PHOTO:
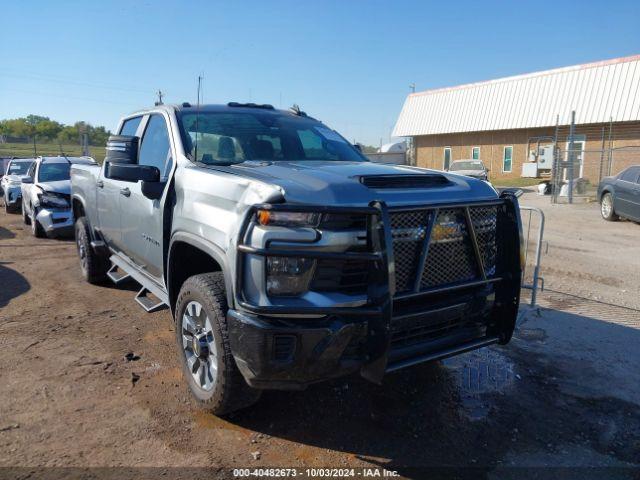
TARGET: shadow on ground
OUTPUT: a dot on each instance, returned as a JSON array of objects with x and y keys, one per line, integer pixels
[
  {"x": 5, "y": 233},
  {"x": 12, "y": 284},
  {"x": 531, "y": 397}
]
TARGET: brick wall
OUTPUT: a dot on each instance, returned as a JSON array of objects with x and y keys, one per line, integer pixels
[{"x": 430, "y": 148}]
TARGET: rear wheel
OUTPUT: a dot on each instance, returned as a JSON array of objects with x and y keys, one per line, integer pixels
[
  {"x": 93, "y": 266},
  {"x": 606, "y": 208},
  {"x": 203, "y": 344}
]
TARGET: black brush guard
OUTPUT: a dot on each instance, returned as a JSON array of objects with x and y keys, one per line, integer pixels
[{"x": 378, "y": 309}]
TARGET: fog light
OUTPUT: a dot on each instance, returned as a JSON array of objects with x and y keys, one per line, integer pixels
[{"x": 288, "y": 276}]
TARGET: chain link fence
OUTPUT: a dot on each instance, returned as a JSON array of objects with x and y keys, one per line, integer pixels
[{"x": 584, "y": 155}]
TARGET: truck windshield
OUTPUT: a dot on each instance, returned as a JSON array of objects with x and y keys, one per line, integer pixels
[
  {"x": 53, "y": 172},
  {"x": 465, "y": 166},
  {"x": 19, "y": 168},
  {"x": 224, "y": 138}
]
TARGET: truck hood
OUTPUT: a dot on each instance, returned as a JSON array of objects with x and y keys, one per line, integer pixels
[
  {"x": 339, "y": 183},
  {"x": 61, "y": 186}
]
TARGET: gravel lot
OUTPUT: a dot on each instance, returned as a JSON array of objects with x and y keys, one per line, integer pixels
[{"x": 565, "y": 392}]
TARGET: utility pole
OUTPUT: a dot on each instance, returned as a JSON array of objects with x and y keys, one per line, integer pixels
[
  {"x": 160, "y": 95},
  {"x": 570, "y": 156},
  {"x": 412, "y": 86}
]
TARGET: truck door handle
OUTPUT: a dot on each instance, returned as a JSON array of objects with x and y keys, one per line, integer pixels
[
  {"x": 100, "y": 184},
  {"x": 125, "y": 191}
]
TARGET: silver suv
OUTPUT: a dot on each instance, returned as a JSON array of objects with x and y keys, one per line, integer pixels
[
  {"x": 11, "y": 181},
  {"x": 285, "y": 256},
  {"x": 46, "y": 190}
]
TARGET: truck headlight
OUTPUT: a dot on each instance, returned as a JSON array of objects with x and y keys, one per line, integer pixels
[
  {"x": 288, "y": 219},
  {"x": 53, "y": 200},
  {"x": 289, "y": 276}
]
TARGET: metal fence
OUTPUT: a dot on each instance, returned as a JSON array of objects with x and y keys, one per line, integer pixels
[
  {"x": 584, "y": 154},
  {"x": 533, "y": 231}
]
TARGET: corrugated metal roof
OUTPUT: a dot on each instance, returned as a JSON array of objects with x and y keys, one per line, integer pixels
[{"x": 596, "y": 91}]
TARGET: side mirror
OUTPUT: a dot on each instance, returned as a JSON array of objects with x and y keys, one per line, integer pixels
[
  {"x": 122, "y": 149},
  {"x": 27, "y": 180},
  {"x": 131, "y": 173}
]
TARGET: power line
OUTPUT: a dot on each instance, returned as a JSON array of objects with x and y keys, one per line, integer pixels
[
  {"x": 65, "y": 97},
  {"x": 102, "y": 85}
]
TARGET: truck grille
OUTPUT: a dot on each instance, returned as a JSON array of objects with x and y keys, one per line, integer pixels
[{"x": 450, "y": 255}]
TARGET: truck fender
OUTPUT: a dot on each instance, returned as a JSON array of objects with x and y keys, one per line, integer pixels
[{"x": 209, "y": 248}]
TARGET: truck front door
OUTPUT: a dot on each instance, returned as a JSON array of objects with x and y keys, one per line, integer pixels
[{"x": 142, "y": 219}]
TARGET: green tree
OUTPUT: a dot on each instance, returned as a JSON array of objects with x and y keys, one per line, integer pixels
[
  {"x": 47, "y": 130},
  {"x": 68, "y": 135}
]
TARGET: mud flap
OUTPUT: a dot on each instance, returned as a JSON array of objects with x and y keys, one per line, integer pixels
[{"x": 380, "y": 292}]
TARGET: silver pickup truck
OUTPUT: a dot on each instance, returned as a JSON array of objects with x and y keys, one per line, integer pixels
[{"x": 286, "y": 257}]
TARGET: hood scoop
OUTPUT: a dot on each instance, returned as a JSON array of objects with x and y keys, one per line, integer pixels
[{"x": 425, "y": 180}]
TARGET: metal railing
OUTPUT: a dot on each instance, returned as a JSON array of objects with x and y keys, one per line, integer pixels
[{"x": 537, "y": 279}]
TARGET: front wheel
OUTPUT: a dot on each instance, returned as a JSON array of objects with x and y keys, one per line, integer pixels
[
  {"x": 36, "y": 228},
  {"x": 606, "y": 208},
  {"x": 93, "y": 266},
  {"x": 25, "y": 218},
  {"x": 203, "y": 343}
]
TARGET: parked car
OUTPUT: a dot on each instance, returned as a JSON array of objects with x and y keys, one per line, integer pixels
[
  {"x": 619, "y": 196},
  {"x": 10, "y": 183},
  {"x": 470, "y": 168},
  {"x": 286, "y": 257},
  {"x": 46, "y": 197}
]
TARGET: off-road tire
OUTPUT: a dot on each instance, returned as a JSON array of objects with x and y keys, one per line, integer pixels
[
  {"x": 25, "y": 218},
  {"x": 230, "y": 391},
  {"x": 36, "y": 228},
  {"x": 94, "y": 267},
  {"x": 610, "y": 215}
]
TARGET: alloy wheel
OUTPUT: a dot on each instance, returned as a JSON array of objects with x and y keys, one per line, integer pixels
[
  {"x": 606, "y": 206},
  {"x": 198, "y": 344}
]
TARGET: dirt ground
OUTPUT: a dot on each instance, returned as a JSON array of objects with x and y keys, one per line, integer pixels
[{"x": 564, "y": 393}]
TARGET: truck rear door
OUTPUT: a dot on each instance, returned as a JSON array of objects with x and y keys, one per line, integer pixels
[
  {"x": 109, "y": 193},
  {"x": 142, "y": 218}
]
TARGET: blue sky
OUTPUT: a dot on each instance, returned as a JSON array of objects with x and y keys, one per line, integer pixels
[{"x": 348, "y": 63}]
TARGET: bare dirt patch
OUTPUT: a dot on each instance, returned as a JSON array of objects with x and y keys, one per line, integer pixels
[{"x": 73, "y": 396}]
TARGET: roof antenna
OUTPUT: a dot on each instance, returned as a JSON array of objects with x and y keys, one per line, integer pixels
[
  {"x": 64, "y": 154},
  {"x": 197, "y": 115}
]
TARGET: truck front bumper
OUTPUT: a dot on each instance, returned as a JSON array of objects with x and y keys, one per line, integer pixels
[
  {"x": 288, "y": 347},
  {"x": 291, "y": 355},
  {"x": 56, "y": 222}
]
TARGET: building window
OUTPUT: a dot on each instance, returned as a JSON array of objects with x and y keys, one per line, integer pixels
[
  {"x": 475, "y": 153},
  {"x": 447, "y": 158},
  {"x": 507, "y": 159}
]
